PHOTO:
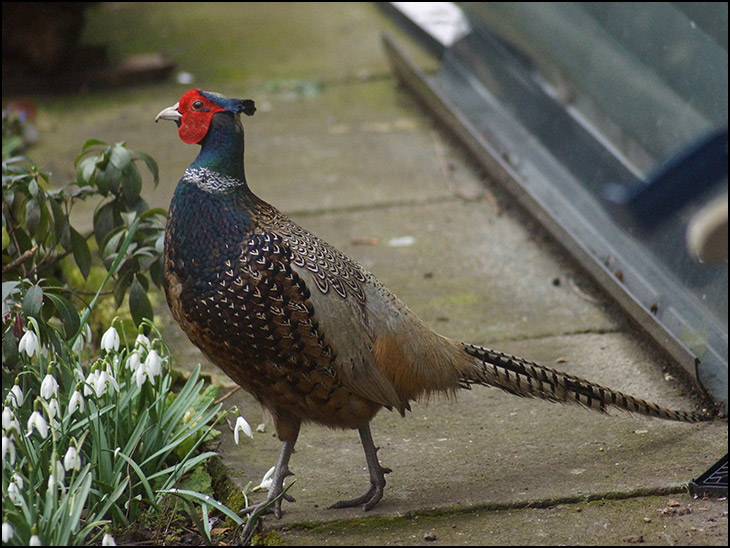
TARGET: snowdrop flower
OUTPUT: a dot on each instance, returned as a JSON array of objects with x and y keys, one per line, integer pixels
[
  {"x": 72, "y": 461},
  {"x": 7, "y": 532},
  {"x": 9, "y": 421},
  {"x": 49, "y": 387},
  {"x": 108, "y": 540},
  {"x": 15, "y": 396},
  {"x": 153, "y": 364},
  {"x": 56, "y": 478},
  {"x": 140, "y": 376},
  {"x": 36, "y": 420},
  {"x": 241, "y": 424},
  {"x": 142, "y": 341},
  {"x": 29, "y": 343},
  {"x": 82, "y": 339},
  {"x": 18, "y": 479},
  {"x": 110, "y": 340},
  {"x": 54, "y": 409},
  {"x": 134, "y": 361},
  {"x": 89, "y": 384},
  {"x": 14, "y": 493},
  {"x": 76, "y": 402},
  {"x": 35, "y": 540},
  {"x": 268, "y": 479},
  {"x": 100, "y": 383},
  {"x": 9, "y": 449},
  {"x": 111, "y": 379}
]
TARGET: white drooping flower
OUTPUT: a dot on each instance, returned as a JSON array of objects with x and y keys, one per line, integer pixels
[
  {"x": 153, "y": 364},
  {"x": 134, "y": 361},
  {"x": 82, "y": 339},
  {"x": 72, "y": 460},
  {"x": 36, "y": 421},
  {"x": 110, "y": 340},
  {"x": 76, "y": 402},
  {"x": 267, "y": 480},
  {"x": 49, "y": 387},
  {"x": 142, "y": 341},
  {"x": 7, "y": 531},
  {"x": 8, "y": 449},
  {"x": 29, "y": 343},
  {"x": 9, "y": 421},
  {"x": 15, "y": 396},
  {"x": 241, "y": 425}
]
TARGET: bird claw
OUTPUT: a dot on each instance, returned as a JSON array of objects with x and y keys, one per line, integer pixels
[
  {"x": 371, "y": 497},
  {"x": 272, "y": 504}
]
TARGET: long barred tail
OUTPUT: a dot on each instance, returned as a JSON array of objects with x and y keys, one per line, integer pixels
[{"x": 528, "y": 379}]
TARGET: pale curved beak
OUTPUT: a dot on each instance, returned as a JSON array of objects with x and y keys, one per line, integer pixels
[{"x": 170, "y": 113}]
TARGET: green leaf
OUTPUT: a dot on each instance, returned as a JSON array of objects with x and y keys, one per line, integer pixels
[
  {"x": 141, "y": 475},
  {"x": 60, "y": 223},
  {"x": 68, "y": 313},
  {"x": 139, "y": 302},
  {"x": 10, "y": 349},
  {"x": 110, "y": 177},
  {"x": 32, "y": 301},
  {"x": 32, "y": 215},
  {"x": 81, "y": 252},
  {"x": 120, "y": 157},
  {"x": 85, "y": 171},
  {"x": 194, "y": 495},
  {"x": 151, "y": 165},
  {"x": 104, "y": 223},
  {"x": 90, "y": 144},
  {"x": 131, "y": 183}
]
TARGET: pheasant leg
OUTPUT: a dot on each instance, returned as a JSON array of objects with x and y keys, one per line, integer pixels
[
  {"x": 276, "y": 490},
  {"x": 377, "y": 475}
]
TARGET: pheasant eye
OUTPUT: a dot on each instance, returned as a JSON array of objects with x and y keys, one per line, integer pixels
[{"x": 197, "y": 105}]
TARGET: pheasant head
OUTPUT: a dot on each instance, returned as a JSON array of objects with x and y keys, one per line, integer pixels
[{"x": 212, "y": 121}]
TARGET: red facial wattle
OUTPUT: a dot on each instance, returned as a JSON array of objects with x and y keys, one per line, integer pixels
[{"x": 197, "y": 111}]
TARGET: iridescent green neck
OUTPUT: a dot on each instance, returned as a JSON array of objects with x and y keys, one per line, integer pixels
[{"x": 222, "y": 148}]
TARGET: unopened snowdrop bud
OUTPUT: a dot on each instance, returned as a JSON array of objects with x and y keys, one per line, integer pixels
[
  {"x": 72, "y": 461},
  {"x": 7, "y": 531}
]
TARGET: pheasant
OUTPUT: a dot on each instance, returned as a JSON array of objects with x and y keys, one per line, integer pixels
[{"x": 310, "y": 333}]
